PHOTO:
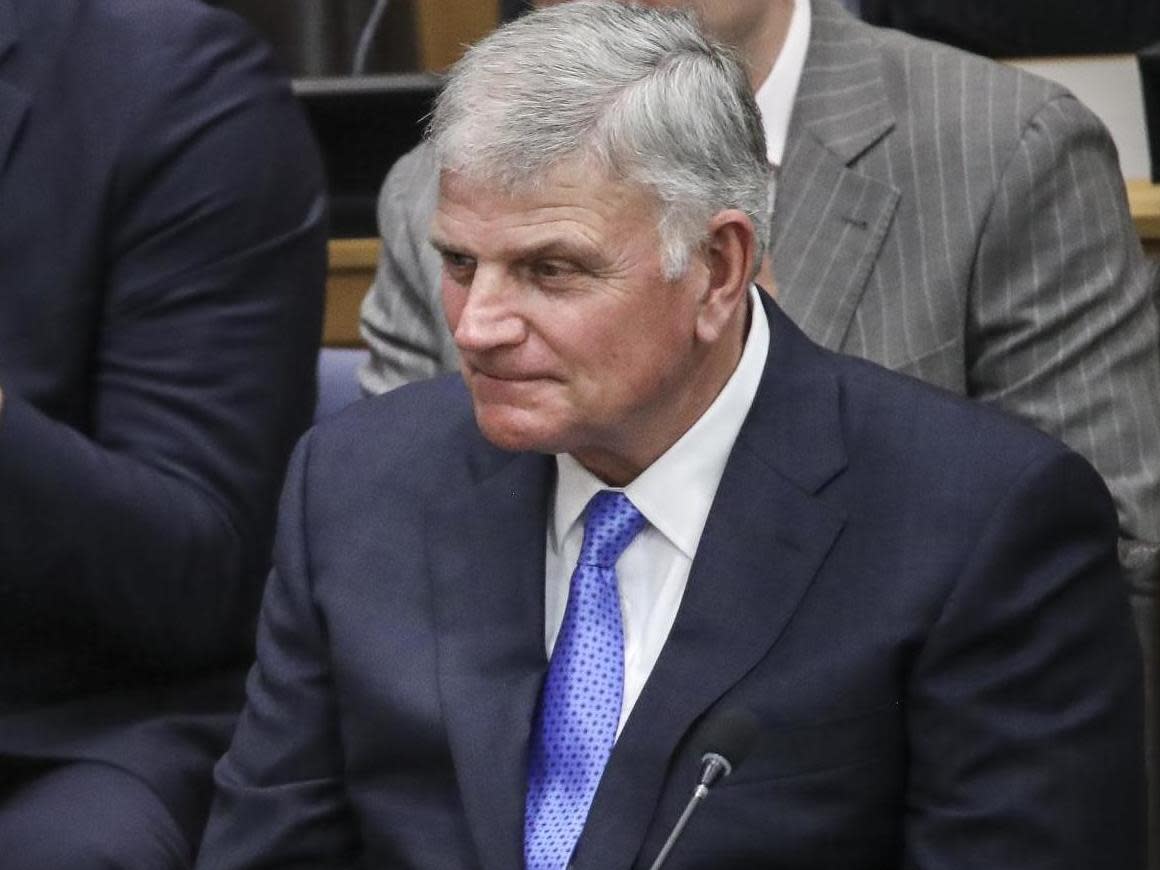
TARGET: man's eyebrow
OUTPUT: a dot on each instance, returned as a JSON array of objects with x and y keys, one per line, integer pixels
[
  {"x": 563, "y": 248},
  {"x": 443, "y": 246}
]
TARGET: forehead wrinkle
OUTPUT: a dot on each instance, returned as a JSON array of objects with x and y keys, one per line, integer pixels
[
  {"x": 521, "y": 233},
  {"x": 522, "y": 223}
]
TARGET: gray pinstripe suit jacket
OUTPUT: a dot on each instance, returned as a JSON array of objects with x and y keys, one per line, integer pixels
[{"x": 941, "y": 214}]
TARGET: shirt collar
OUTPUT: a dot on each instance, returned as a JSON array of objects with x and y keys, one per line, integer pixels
[
  {"x": 675, "y": 493},
  {"x": 776, "y": 95}
]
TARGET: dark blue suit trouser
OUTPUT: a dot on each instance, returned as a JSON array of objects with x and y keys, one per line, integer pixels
[{"x": 85, "y": 816}]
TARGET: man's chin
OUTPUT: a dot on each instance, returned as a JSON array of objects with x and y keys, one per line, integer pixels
[{"x": 513, "y": 431}]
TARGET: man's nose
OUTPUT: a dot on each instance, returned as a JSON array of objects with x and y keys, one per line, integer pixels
[{"x": 490, "y": 317}]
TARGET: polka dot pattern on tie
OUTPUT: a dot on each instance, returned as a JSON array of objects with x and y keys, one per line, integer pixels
[{"x": 580, "y": 702}]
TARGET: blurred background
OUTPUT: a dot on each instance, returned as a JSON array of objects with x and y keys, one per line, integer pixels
[
  {"x": 366, "y": 70},
  {"x": 321, "y": 37}
]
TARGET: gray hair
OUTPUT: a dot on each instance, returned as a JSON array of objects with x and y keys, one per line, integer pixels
[{"x": 641, "y": 94}]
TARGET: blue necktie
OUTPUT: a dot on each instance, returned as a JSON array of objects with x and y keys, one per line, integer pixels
[{"x": 580, "y": 702}]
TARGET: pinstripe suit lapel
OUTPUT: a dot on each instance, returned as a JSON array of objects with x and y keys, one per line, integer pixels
[
  {"x": 13, "y": 101},
  {"x": 831, "y": 219}
]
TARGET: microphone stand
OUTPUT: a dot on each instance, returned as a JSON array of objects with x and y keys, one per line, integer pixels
[{"x": 713, "y": 768}]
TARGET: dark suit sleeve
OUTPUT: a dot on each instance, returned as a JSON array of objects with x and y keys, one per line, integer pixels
[
  {"x": 1025, "y": 728},
  {"x": 1022, "y": 28},
  {"x": 281, "y": 797},
  {"x": 145, "y": 536}
]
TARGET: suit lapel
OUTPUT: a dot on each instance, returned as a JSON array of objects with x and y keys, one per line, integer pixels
[
  {"x": 765, "y": 538},
  {"x": 14, "y": 102},
  {"x": 831, "y": 218},
  {"x": 487, "y": 557}
]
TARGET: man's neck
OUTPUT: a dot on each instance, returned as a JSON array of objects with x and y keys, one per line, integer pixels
[{"x": 761, "y": 45}]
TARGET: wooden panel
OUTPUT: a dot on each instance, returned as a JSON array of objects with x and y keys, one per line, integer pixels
[
  {"x": 352, "y": 269},
  {"x": 1144, "y": 200},
  {"x": 445, "y": 27}
]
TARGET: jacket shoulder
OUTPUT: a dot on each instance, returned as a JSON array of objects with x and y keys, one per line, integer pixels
[
  {"x": 420, "y": 438},
  {"x": 924, "y": 78}
]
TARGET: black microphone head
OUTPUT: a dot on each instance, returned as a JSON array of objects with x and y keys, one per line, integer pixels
[{"x": 730, "y": 733}]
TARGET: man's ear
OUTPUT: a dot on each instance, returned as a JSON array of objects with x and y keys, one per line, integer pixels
[{"x": 728, "y": 253}]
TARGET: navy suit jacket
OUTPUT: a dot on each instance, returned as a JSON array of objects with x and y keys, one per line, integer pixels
[
  {"x": 918, "y": 598},
  {"x": 162, "y": 264}
]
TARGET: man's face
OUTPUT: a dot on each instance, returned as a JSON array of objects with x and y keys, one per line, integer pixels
[{"x": 571, "y": 338}]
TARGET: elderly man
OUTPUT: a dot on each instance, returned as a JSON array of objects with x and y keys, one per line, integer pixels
[
  {"x": 940, "y": 214},
  {"x": 507, "y": 604}
]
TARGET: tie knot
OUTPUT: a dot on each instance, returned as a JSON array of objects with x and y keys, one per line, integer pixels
[{"x": 610, "y": 525}]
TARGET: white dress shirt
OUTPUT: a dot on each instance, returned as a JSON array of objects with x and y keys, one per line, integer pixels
[
  {"x": 674, "y": 494},
  {"x": 775, "y": 96}
]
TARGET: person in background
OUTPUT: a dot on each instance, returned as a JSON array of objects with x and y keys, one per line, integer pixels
[
  {"x": 943, "y": 215},
  {"x": 1023, "y": 28},
  {"x": 162, "y": 264},
  {"x": 506, "y": 603}
]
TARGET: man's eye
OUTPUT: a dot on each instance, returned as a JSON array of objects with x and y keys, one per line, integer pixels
[
  {"x": 458, "y": 261},
  {"x": 458, "y": 264},
  {"x": 552, "y": 268}
]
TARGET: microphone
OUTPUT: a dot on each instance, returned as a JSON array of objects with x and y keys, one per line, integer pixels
[
  {"x": 729, "y": 736},
  {"x": 358, "y": 65}
]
